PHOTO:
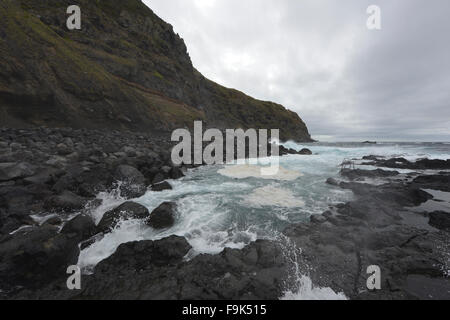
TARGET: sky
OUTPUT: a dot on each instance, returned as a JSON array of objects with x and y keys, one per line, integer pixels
[{"x": 319, "y": 59}]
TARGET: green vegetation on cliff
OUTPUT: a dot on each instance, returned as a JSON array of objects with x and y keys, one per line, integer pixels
[{"x": 126, "y": 69}]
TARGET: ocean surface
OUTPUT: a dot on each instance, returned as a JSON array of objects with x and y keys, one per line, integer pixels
[{"x": 231, "y": 206}]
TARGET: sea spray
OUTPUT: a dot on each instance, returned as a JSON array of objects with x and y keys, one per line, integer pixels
[{"x": 298, "y": 284}]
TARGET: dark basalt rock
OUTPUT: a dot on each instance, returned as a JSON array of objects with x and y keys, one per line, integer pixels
[
  {"x": 12, "y": 171},
  {"x": 402, "y": 163},
  {"x": 161, "y": 186},
  {"x": 305, "y": 152},
  {"x": 438, "y": 182},
  {"x": 145, "y": 254},
  {"x": 176, "y": 173},
  {"x": 54, "y": 221},
  {"x": 67, "y": 201},
  {"x": 44, "y": 176},
  {"x": 358, "y": 173},
  {"x": 155, "y": 270},
  {"x": 132, "y": 181},
  {"x": 35, "y": 258},
  {"x": 82, "y": 225},
  {"x": 284, "y": 151},
  {"x": 163, "y": 217},
  {"x": 317, "y": 218},
  {"x": 370, "y": 231},
  {"x": 440, "y": 220},
  {"x": 372, "y": 158},
  {"x": 159, "y": 177},
  {"x": 126, "y": 211},
  {"x": 332, "y": 182}
]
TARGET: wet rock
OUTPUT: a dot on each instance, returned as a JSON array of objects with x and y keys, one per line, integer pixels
[
  {"x": 422, "y": 164},
  {"x": 438, "y": 182},
  {"x": 440, "y": 220},
  {"x": 35, "y": 258},
  {"x": 372, "y": 158},
  {"x": 333, "y": 182},
  {"x": 129, "y": 174},
  {"x": 159, "y": 177},
  {"x": 305, "y": 152},
  {"x": 358, "y": 173},
  {"x": 155, "y": 270},
  {"x": 82, "y": 225},
  {"x": 318, "y": 218},
  {"x": 133, "y": 181},
  {"x": 19, "y": 200},
  {"x": 176, "y": 173},
  {"x": 142, "y": 254},
  {"x": 161, "y": 186},
  {"x": 54, "y": 221},
  {"x": 126, "y": 211},
  {"x": 433, "y": 164},
  {"x": 163, "y": 217}
]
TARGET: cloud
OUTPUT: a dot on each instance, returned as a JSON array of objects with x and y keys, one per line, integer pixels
[{"x": 317, "y": 58}]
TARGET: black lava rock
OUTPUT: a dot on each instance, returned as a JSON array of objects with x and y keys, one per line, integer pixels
[{"x": 163, "y": 217}]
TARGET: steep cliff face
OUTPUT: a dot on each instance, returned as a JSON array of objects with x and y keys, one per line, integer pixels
[{"x": 125, "y": 69}]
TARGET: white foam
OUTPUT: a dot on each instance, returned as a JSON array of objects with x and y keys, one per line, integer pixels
[
  {"x": 125, "y": 231},
  {"x": 109, "y": 201},
  {"x": 273, "y": 196},
  {"x": 307, "y": 291},
  {"x": 254, "y": 171}
]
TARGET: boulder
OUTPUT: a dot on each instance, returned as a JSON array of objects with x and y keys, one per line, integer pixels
[
  {"x": 129, "y": 174},
  {"x": 176, "y": 173},
  {"x": 159, "y": 177},
  {"x": 44, "y": 176},
  {"x": 128, "y": 210},
  {"x": 66, "y": 201},
  {"x": 35, "y": 258},
  {"x": 144, "y": 254},
  {"x": 82, "y": 225},
  {"x": 163, "y": 217},
  {"x": 305, "y": 151},
  {"x": 63, "y": 150},
  {"x": 161, "y": 186},
  {"x": 12, "y": 171},
  {"x": 155, "y": 270},
  {"x": 333, "y": 182},
  {"x": 133, "y": 181},
  {"x": 129, "y": 151}
]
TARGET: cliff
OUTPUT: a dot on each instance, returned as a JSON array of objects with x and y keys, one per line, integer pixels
[{"x": 125, "y": 69}]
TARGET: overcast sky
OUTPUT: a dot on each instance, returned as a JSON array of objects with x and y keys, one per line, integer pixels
[{"x": 318, "y": 58}]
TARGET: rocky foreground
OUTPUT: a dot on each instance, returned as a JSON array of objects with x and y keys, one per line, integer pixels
[{"x": 60, "y": 171}]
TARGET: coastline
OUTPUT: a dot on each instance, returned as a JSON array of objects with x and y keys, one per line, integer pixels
[{"x": 332, "y": 250}]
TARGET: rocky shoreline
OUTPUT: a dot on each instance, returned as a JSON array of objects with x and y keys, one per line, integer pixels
[{"x": 61, "y": 171}]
